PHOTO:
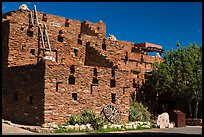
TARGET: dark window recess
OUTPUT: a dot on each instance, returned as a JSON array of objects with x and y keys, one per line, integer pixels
[
  {"x": 95, "y": 72},
  {"x": 30, "y": 33},
  {"x": 113, "y": 97},
  {"x": 32, "y": 51},
  {"x": 60, "y": 38},
  {"x": 79, "y": 42},
  {"x": 23, "y": 48},
  {"x": 104, "y": 46},
  {"x": 79, "y": 36},
  {"x": 66, "y": 23},
  {"x": 142, "y": 59},
  {"x": 113, "y": 72},
  {"x": 88, "y": 43},
  {"x": 75, "y": 52},
  {"x": 98, "y": 28},
  {"x": 134, "y": 84},
  {"x": 71, "y": 80},
  {"x": 44, "y": 17},
  {"x": 16, "y": 96},
  {"x": 72, "y": 70},
  {"x": 60, "y": 31},
  {"x": 57, "y": 86},
  {"x": 112, "y": 83},
  {"x": 95, "y": 81},
  {"x": 30, "y": 100},
  {"x": 74, "y": 96}
]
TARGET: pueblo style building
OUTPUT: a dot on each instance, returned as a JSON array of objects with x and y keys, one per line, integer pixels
[{"x": 53, "y": 67}]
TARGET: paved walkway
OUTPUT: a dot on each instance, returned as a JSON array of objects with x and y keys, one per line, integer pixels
[{"x": 7, "y": 130}]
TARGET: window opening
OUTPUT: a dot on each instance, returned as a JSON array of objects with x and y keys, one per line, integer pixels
[
  {"x": 134, "y": 84},
  {"x": 74, "y": 96},
  {"x": 75, "y": 52},
  {"x": 79, "y": 42},
  {"x": 16, "y": 96},
  {"x": 88, "y": 43},
  {"x": 113, "y": 97},
  {"x": 113, "y": 72},
  {"x": 72, "y": 70},
  {"x": 44, "y": 17},
  {"x": 31, "y": 100},
  {"x": 60, "y": 38},
  {"x": 66, "y": 23},
  {"x": 95, "y": 81},
  {"x": 23, "y": 48},
  {"x": 112, "y": 83},
  {"x": 32, "y": 52},
  {"x": 95, "y": 72},
  {"x": 104, "y": 46},
  {"x": 79, "y": 36},
  {"x": 57, "y": 86},
  {"x": 71, "y": 80},
  {"x": 30, "y": 33}
]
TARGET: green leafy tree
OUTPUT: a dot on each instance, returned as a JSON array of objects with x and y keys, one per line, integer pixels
[{"x": 180, "y": 74}]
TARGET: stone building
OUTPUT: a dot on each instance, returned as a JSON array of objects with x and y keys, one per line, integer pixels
[{"x": 70, "y": 66}]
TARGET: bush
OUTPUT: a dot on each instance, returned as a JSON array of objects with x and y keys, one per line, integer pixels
[
  {"x": 87, "y": 117},
  {"x": 138, "y": 112}
]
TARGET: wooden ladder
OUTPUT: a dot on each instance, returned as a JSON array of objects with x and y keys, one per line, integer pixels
[{"x": 43, "y": 35}]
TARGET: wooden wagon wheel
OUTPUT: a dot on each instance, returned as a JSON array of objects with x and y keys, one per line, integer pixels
[{"x": 112, "y": 114}]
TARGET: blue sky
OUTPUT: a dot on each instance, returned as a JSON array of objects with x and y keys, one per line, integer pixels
[{"x": 161, "y": 23}]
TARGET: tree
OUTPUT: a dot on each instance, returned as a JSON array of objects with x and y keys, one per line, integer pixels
[{"x": 180, "y": 74}]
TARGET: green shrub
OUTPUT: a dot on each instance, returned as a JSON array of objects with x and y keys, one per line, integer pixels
[
  {"x": 138, "y": 112},
  {"x": 87, "y": 117}
]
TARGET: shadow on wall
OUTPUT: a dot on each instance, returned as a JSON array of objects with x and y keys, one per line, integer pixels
[{"x": 22, "y": 88}]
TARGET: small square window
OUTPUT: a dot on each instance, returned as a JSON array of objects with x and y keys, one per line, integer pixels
[
  {"x": 134, "y": 85},
  {"x": 113, "y": 72},
  {"x": 32, "y": 52},
  {"x": 66, "y": 24},
  {"x": 30, "y": 100},
  {"x": 74, "y": 96},
  {"x": 79, "y": 42},
  {"x": 60, "y": 38},
  {"x": 71, "y": 80},
  {"x": 95, "y": 81},
  {"x": 104, "y": 46},
  {"x": 72, "y": 70},
  {"x": 88, "y": 43},
  {"x": 113, "y": 97},
  {"x": 112, "y": 83},
  {"x": 16, "y": 96},
  {"x": 75, "y": 52},
  {"x": 95, "y": 72},
  {"x": 79, "y": 36},
  {"x": 57, "y": 85},
  {"x": 30, "y": 33}
]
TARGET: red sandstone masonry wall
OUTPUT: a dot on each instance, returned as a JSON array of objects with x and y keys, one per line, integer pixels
[
  {"x": 23, "y": 79},
  {"x": 59, "y": 105},
  {"x": 22, "y": 71}
]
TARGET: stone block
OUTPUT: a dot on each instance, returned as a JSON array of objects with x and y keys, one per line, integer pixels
[{"x": 170, "y": 125}]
